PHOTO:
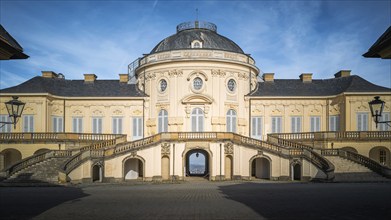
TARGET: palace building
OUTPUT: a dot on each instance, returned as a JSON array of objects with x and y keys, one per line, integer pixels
[{"x": 196, "y": 93}]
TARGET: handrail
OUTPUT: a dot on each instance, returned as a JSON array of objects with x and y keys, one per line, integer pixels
[
  {"x": 360, "y": 159},
  {"x": 52, "y": 136},
  {"x": 330, "y": 135}
]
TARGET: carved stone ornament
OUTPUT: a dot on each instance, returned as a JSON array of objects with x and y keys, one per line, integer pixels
[
  {"x": 134, "y": 153},
  {"x": 165, "y": 149},
  {"x": 228, "y": 148},
  {"x": 260, "y": 152},
  {"x": 175, "y": 72}
]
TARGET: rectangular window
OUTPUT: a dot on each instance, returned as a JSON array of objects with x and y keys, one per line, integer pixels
[
  {"x": 276, "y": 124},
  {"x": 334, "y": 123},
  {"x": 28, "y": 123},
  {"x": 295, "y": 124},
  {"x": 117, "y": 125},
  {"x": 385, "y": 116},
  {"x": 5, "y": 128},
  {"x": 137, "y": 128},
  {"x": 256, "y": 127},
  {"x": 315, "y": 123},
  {"x": 362, "y": 121},
  {"x": 57, "y": 124},
  {"x": 77, "y": 124},
  {"x": 97, "y": 125}
]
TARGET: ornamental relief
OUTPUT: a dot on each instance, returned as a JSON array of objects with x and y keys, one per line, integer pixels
[
  {"x": 150, "y": 76},
  {"x": 175, "y": 73},
  {"x": 218, "y": 72},
  {"x": 243, "y": 76},
  {"x": 165, "y": 149},
  {"x": 97, "y": 112},
  {"x": 57, "y": 111},
  {"x": 228, "y": 148}
]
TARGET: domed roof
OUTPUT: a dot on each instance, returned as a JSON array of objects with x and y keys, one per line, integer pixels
[{"x": 204, "y": 32}]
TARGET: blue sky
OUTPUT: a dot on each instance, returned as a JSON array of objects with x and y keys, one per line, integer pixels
[{"x": 284, "y": 37}]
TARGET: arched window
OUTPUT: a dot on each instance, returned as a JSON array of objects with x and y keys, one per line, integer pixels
[
  {"x": 163, "y": 121},
  {"x": 197, "y": 120},
  {"x": 231, "y": 121}
]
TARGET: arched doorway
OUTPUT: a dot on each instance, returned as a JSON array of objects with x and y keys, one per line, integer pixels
[
  {"x": 39, "y": 151},
  {"x": 197, "y": 163},
  {"x": 260, "y": 168},
  {"x": 133, "y": 169},
  {"x": 97, "y": 173},
  {"x": 381, "y": 155},
  {"x": 10, "y": 156},
  {"x": 165, "y": 168},
  {"x": 296, "y": 171},
  {"x": 228, "y": 167}
]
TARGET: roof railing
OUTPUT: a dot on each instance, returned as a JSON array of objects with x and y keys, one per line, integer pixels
[{"x": 196, "y": 25}]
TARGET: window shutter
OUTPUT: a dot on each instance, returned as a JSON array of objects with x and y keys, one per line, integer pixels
[
  {"x": 365, "y": 122},
  {"x": 55, "y": 124},
  {"x": 359, "y": 122},
  {"x": 119, "y": 126}
]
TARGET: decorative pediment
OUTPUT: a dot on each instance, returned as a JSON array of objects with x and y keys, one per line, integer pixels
[
  {"x": 197, "y": 73},
  {"x": 197, "y": 99}
]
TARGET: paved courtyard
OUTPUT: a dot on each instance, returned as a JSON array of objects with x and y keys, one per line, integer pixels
[{"x": 199, "y": 200}]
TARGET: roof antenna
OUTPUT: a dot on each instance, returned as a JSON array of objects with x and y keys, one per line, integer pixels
[{"x": 196, "y": 14}]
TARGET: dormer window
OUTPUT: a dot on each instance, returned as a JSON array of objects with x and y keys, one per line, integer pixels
[{"x": 196, "y": 44}]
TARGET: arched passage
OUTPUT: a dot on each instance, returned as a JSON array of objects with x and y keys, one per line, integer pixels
[
  {"x": 228, "y": 167},
  {"x": 296, "y": 171},
  {"x": 260, "y": 168},
  {"x": 10, "y": 156},
  {"x": 133, "y": 168},
  {"x": 41, "y": 150},
  {"x": 97, "y": 173},
  {"x": 197, "y": 163},
  {"x": 165, "y": 168},
  {"x": 380, "y": 154}
]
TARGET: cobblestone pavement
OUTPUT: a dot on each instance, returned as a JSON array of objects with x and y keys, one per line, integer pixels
[{"x": 199, "y": 200}]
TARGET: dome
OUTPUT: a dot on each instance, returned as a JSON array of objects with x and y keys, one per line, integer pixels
[{"x": 203, "y": 32}]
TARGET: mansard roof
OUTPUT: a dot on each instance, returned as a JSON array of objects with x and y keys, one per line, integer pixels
[
  {"x": 326, "y": 87},
  {"x": 76, "y": 88}
]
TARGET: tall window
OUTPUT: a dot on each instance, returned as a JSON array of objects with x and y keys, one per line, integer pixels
[
  {"x": 137, "y": 128},
  {"x": 362, "y": 121},
  {"x": 57, "y": 124},
  {"x": 256, "y": 127},
  {"x": 28, "y": 123},
  {"x": 163, "y": 121},
  {"x": 231, "y": 121},
  {"x": 276, "y": 124},
  {"x": 334, "y": 123},
  {"x": 197, "y": 120},
  {"x": 382, "y": 157},
  {"x": 5, "y": 127},
  {"x": 97, "y": 125},
  {"x": 77, "y": 124},
  {"x": 117, "y": 125},
  {"x": 315, "y": 123},
  {"x": 385, "y": 116},
  {"x": 295, "y": 124}
]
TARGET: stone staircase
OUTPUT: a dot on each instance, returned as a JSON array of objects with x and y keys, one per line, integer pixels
[
  {"x": 43, "y": 172},
  {"x": 349, "y": 171}
]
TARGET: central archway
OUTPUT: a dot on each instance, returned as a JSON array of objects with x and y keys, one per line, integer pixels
[{"x": 197, "y": 163}]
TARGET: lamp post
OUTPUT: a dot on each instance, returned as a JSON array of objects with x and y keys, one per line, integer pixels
[
  {"x": 15, "y": 109},
  {"x": 377, "y": 106}
]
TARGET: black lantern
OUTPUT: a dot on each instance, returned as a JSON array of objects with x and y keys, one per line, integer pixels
[
  {"x": 377, "y": 106},
  {"x": 15, "y": 109}
]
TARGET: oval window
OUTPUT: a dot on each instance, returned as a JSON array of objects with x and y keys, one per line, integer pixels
[
  {"x": 231, "y": 85},
  {"x": 163, "y": 85},
  {"x": 197, "y": 83}
]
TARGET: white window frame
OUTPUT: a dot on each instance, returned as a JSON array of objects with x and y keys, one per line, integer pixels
[
  {"x": 334, "y": 122},
  {"x": 315, "y": 123},
  {"x": 137, "y": 131},
  {"x": 28, "y": 123},
  {"x": 276, "y": 124},
  {"x": 57, "y": 124},
  {"x": 163, "y": 121},
  {"x": 231, "y": 121},
  {"x": 97, "y": 125},
  {"x": 77, "y": 124},
  {"x": 5, "y": 128},
  {"x": 256, "y": 127},
  {"x": 383, "y": 126},
  {"x": 197, "y": 120},
  {"x": 117, "y": 125},
  {"x": 296, "y": 124},
  {"x": 362, "y": 121}
]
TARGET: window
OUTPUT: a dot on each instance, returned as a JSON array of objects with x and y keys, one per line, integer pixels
[
  {"x": 231, "y": 121},
  {"x": 77, "y": 124},
  {"x": 28, "y": 123},
  {"x": 276, "y": 124},
  {"x": 57, "y": 124},
  {"x": 197, "y": 83},
  {"x": 163, "y": 85},
  {"x": 196, "y": 44},
  {"x": 334, "y": 123},
  {"x": 295, "y": 124},
  {"x": 163, "y": 121},
  {"x": 231, "y": 85},
  {"x": 97, "y": 125},
  {"x": 256, "y": 127},
  {"x": 362, "y": 121},
  {"x": 315, "y": 123},
  {"x": 117, "y": 125},
  {"x": 4, "y": 128},
  {"x": 382, "y": 157},
  {"x": 137, "y": 128},
  {"x": 384, "y": 117},
  {"x": 197, "y": 120}
]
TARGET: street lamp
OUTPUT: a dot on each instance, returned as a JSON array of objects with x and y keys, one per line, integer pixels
[
  {"x": 377, "y": 106},
  {"x": 15, "y": 109}
]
